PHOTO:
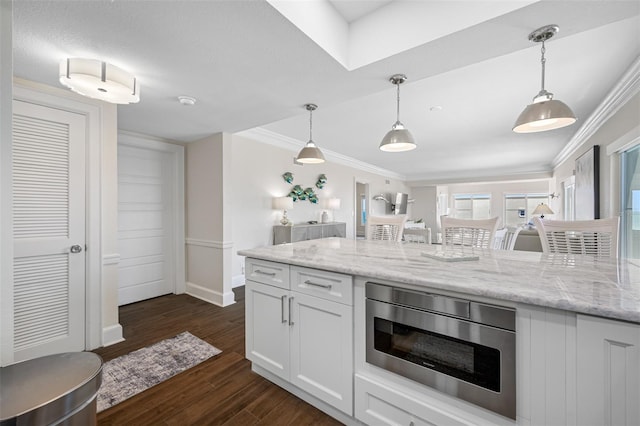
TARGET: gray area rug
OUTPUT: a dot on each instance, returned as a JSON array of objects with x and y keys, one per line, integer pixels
[{"x": 137, "y": 371}]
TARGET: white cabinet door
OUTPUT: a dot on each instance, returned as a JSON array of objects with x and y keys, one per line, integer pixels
[
  {"x": 267, "y": 327},
  {"x": 608, "y": 372},
  {"x": 321, "y": 349}
]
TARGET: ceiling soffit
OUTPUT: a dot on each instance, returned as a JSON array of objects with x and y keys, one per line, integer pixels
[{"x": 364, "y": 40}]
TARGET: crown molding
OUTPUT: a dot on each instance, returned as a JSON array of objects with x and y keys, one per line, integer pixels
[
  {"x": 263, "y": 135},
  {"x": 622, "y": 92}
]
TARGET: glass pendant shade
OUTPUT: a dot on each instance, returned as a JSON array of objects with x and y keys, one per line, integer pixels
[
  {"x": 310, "y": 154},
  {"x": 398, "y": 139},
  {"x": 99, "y": 80}
]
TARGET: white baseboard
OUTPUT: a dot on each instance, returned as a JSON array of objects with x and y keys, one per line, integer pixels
[
  {"x": 112, "y": 335},
  {"x": 209, "y": 295},
  {"x": 237, "y": 281}
]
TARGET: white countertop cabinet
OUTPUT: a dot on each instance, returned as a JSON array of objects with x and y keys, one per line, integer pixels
[
  {"x": 300, "y": 329},
  {"x": 577, "y": 329}
]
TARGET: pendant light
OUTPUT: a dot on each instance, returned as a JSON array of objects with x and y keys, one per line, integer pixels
[
  {"x": 544, "y": 113},
  {"x": 310, "y": 154},
  {"x": 398, "y": 139}
]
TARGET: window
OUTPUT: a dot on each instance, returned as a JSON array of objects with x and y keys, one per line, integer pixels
[
  {"x": 630, "y": 198},
  {"x": 518, "y": 208},
  {"x": 472, "y": 206}
]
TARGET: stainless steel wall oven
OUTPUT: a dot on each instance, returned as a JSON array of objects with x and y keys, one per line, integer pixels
[{"x": 460, "y": 347}]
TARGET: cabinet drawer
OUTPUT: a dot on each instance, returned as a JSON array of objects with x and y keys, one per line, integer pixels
[
  {"x": 323, "y": 284},
  {"x": 271, "y": 273},
  {"x": 378, "y": 405}
]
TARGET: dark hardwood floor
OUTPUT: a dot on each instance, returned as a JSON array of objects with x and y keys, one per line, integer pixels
[{"x": 220, "y": 391}]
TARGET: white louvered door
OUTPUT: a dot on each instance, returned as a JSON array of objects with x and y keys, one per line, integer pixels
[{"x": 49, "y": 219}]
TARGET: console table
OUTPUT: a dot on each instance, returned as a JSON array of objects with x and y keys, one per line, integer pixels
[{"x": 304, "y": 231}]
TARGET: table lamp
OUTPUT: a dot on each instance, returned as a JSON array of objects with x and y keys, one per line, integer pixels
[
  {"x": 542, "y": 209},
  {"x": 284, "y": 204},
  {"x": 329, "y": 204}
]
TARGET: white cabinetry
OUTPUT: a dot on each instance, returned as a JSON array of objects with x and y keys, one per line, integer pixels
[
  {"x": 299, "y": 327},
  {"x": 608, "y": 372}
]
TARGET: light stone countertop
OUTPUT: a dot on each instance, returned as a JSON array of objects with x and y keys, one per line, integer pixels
[{"x": 603, "y": 287}]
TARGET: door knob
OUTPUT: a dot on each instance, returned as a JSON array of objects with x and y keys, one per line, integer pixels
[{"x": 76, "y": 248}]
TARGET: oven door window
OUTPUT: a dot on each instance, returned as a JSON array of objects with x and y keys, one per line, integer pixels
[{"x": 464, "y": 360}]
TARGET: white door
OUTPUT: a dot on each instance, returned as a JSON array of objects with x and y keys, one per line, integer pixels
[
  {"x": 48, "y": 230},
  {"x": 145, "y": 224}
]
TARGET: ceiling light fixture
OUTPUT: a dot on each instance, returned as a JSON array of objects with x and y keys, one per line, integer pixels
[
  {"x": 544, "y": 113},
  {"x": 186, "y": 100},
  {"x": 398, "y": 139},
  {"x": 310, "y": 154},
  {"x": 99, "y": 80}
]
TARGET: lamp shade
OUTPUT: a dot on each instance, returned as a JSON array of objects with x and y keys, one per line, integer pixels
[
  {"x": 331, "y": 203},
  {"x": 310, "y": 154},
  {"x": 99, "y": 80},
  {"x": 398, "y": 139},
  {"x": 542, "y": 116},
  {"x": 542, "y": 209},
  {"x": 283, "y": 203}
]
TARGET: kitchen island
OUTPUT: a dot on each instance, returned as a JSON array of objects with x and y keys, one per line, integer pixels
[{"x": 573, "y": 314}]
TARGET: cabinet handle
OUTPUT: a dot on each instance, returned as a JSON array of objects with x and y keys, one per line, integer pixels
[
  {"x": 271, "y": 274},
  {"x": 284, "y": 320},
  {"x": 290, "y": 311},
  {"x": 327, "y": 286}
]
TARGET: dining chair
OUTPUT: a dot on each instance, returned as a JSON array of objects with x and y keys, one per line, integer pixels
[
  {"x": 598, "y": 237},
  {"x": 388, "y": 228},
  {"x": 510, "y": 237},
  {"x": 469, "y": 232},
  {"x": 498, "y": 238}
]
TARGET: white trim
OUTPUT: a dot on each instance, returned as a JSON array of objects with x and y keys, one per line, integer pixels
[
  {"x": 626, "y": 88},
  {"x": 6, "y": 185},
  {"x": 111, "y": 259},
  {"x": 177, "y": 182},
  {"x": 209, "y": 243},
  {"x": 625, "y": 142},
  {"x": 112, "y": 335},
  {"x": 52, "y": 97},
  {"x": 209, "y": 295},
  {"x": 275, "y": 139},
  {"x": 238, "y": 281}
]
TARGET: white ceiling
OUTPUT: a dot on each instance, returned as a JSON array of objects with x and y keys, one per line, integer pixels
[{"x": 255, "y": 63}]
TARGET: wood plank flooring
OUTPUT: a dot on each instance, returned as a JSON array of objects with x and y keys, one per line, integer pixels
[{"x": 220, "y": 391}]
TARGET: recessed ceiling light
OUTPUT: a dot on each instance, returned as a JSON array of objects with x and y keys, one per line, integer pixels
[
  {"x": 436, "y": 108},
  {"x": 187, "y": 100}
]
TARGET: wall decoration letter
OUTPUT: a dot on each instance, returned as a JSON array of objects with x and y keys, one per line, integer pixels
[{"x": 587, "y": 196}]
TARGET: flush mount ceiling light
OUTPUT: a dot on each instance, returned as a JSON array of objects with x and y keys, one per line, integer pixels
[
  {"x": 398, "y": 139},
  {"x": 310, "y": 154},
  {"x": 99, "y": 80},
  {"x": 544, "y": 113}
]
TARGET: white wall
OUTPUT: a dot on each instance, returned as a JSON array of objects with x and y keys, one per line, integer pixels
[
  {"x": 257, "y": 170},
  {"x": 208, "y": 219},
  {"x": 624, "y": 121},
  {"x": 425, "y": 206}
]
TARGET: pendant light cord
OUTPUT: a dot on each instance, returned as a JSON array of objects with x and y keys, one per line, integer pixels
[{"x": 310, "y": 125}]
